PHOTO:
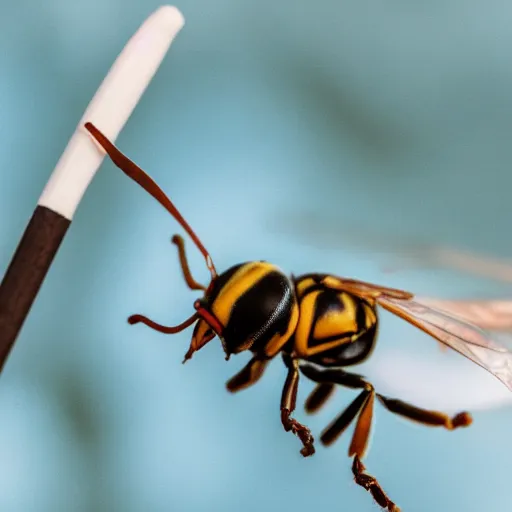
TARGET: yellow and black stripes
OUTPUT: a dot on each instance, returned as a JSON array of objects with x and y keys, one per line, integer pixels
[
  {"x": 237, "y": 283},
  {"x": 256, "y": 305},
  {"x": 333, "y": 325}
]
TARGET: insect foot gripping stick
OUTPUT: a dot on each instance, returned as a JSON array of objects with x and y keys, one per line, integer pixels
[{"x": 110, "y": 108}]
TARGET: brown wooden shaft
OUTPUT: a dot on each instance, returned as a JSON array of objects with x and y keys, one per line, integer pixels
[{"x": 26, "y": 273}]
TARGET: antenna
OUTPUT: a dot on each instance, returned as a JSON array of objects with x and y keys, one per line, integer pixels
[{"x": 134, "y": 172}]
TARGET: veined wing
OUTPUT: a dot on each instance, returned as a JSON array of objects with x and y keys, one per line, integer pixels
[{"x": 467, "y": 339}]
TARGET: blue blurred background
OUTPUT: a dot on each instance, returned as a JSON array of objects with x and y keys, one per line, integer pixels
[{"x": 276, "y": 127}]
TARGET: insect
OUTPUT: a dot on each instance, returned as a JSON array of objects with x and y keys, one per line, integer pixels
[{"x": 320, "y": 324}]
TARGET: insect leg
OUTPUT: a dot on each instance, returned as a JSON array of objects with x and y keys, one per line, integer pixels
[
  {"x": 362, "y": 408},
  {"x": 191, "y": 282},
  {"x": 369, "y": 483},
  {"x": 135, "y": 319},
  {"x": 338, "y": 426},
  {"x": 426, "y": 417},
  {"x": 358, "y": 448},
  {"x": 319, "y": 396},
  {"x": 248, "y": 375},
  {"x": 288, "y": 402},
  {"x": 334, "y": 376}
]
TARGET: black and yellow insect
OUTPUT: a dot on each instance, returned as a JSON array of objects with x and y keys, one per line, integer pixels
[{"x": 319, "y": 323}]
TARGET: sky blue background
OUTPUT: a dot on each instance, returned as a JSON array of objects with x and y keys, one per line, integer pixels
[{"x": 276, "y": 127}]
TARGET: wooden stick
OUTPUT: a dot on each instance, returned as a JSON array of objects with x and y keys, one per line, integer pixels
[{"x": 110, "y": 108}]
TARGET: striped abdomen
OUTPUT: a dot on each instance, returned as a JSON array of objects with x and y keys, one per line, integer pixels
[{"x": 335, "y": 327}]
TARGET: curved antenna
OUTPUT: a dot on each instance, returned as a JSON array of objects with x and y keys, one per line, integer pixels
[{"x": 133, "y": 171}]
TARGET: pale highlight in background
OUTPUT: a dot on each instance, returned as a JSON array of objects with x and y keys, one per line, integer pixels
[
  {"x": 110, "y": 108},
  {"x": 451, "y": 385}
]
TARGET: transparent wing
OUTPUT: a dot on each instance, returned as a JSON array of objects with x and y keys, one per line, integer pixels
[
  {"x": 494, "y": 315},
  {"x": 467, "y": 339},
  {"x": 477, "y": 345}
]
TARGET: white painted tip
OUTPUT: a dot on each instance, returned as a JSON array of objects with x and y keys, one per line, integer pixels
[
  {"x": 168, "y": 17},
  {"x": 110, "y": 108}
]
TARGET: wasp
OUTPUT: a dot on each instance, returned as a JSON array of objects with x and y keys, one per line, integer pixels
[{"x": 320, "y": 324}]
